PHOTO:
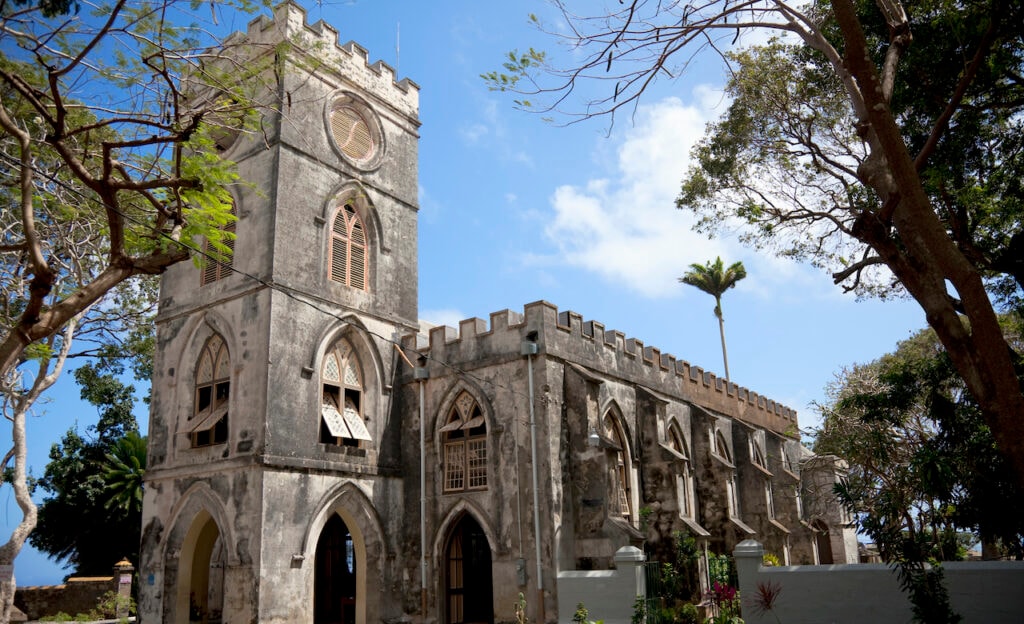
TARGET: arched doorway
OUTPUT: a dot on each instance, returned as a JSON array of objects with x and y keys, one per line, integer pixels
[
  {"x": 334, "y": 590},
  {"x": 200, "y": 594},
  {"x": 824, "y": 542},
  {"x": 468, "y": 591}
]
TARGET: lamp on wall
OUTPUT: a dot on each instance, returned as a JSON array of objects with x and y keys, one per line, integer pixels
[{"x": 593, "y": 440}]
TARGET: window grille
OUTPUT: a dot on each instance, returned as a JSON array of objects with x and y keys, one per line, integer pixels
[{"x": 465, "y": 446}]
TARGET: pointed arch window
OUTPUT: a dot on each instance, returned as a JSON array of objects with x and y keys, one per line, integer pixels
[
  {"x": 464, "y": 439},
  {"x": 684, "y": 478},
  {"x": 349, "y": 254},
  {"x": 722, "y": 447},
  {"x": 215, "y": 270},
  {"x": 342, "y": 420},
  {"x": 757, "y": 454},
  {"x": 209, "y": 423},
  {"x": 620, "y": 482}
]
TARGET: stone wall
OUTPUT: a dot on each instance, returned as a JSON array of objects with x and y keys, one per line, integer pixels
[{"x": 77, "y": 595}]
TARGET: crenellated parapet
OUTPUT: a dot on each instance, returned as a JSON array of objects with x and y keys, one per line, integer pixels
[
  {"x": 567, "y": 336},
  {"x": 319, "y": 42}
]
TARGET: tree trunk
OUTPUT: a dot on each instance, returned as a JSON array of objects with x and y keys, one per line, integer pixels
[
  {"x": 922, "y": 256},
  {"x": 13, "y": 546},
  {"x": 725, "y": 354}
]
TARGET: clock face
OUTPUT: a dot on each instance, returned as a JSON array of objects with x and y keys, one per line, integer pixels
[{"x": 356, "y": 132}]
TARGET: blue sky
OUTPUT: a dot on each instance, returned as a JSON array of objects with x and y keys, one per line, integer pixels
[{"x": 514, "y": 209}]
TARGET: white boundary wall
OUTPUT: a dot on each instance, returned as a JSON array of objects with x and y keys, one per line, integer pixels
[
  {"x": 983, "y": 592},
  {"x": 607, "y": 594}
]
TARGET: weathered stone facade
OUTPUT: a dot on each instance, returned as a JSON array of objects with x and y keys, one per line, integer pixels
[{"x": 290, "y": 396}]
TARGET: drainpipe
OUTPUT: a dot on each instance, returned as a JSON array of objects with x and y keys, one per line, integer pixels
[
  {"x": 421, "y": 375},
  {"x": 529, "y": 349}
]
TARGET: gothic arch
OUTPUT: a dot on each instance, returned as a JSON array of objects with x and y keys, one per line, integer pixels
[
  {"x": 374, "y": 381},
  {"x": 612, "y": 407},
  {"x": 465, "y": 454},
  {"x": 353, "y": 191},
  {"x": 199, "y": 497},
  {"x": 351, "y": 328},
  {"x": 465, "y": 563},
  {"x": 461, "y": 508},
  {"x": 199, "y": 330},
  {"x": 676, "y": 428},
  {"x": 200, "y": 533},
  {"x": 351, "y": 504},
  {"x": 723, "y": 446},
  {"x": 623, "y": 482},
  {"x": 448, "y": 401}
]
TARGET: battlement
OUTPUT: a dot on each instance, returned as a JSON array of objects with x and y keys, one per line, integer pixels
[
  {"x": 320, "y": 41},
  {"x": 567, "y": 336}
]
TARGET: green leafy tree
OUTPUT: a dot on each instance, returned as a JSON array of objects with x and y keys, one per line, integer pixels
[
  {"x": 111, "y": 124},
  {"x": 91, "y": 514},
  {"x": 925, "y": 477},
  {"x": 884, "y": 146},
  {"x": 123, "y": 473},
  {"x": 714, "y": 279}
]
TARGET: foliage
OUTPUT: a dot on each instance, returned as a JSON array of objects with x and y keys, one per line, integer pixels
[
  {"x": 109, "y": 171},
  {"x": 520, "y": 609},
  {"x": 770, "y": 559},
  {"x": 677, "y": 584},
  {"x": 714, "y": 279},
  {"x": 123, "y": 471},
  {"x": 726, "y": 602},
  {"x": 928, "y": 595},
  {"x": 923, "y": 465},
  {"x": 107, "y": 607},
  {"x": 640, "y": 610},
  {"x": 764, "y": 600},
  {"x": 925, "y": 478},
  {"x": 111, "y": 603},
  {"x": 885, "y": 145},
  {"x": 92, "y": 512},
  {"x": 582, "y": 616}
]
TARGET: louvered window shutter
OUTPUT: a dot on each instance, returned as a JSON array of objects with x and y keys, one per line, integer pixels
[
  {"x": 348, "y": 249},
  {"x": 214, "y": 270},
  {"x": 352, "y": 133}
]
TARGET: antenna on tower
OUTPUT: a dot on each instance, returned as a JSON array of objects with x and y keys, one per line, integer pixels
[{"x": 398, "y": 49}]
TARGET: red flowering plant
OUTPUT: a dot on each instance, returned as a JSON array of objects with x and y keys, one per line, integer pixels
[{"x": 726, "y": 602}]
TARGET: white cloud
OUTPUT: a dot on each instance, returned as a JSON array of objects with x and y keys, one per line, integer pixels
[{"x": 625, "y": 227}]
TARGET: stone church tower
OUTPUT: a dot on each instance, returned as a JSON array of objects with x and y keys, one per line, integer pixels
[
  {"x": 270, "y": 444},
  {"x": 304, "y": 468}
]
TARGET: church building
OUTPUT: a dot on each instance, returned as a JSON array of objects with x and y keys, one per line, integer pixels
[{"x": 318, "y": 455}]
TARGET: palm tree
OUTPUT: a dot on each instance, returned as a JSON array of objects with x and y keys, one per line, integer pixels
[
  {"x": 123, "y": 473},
  {"x": 714, "y": 279}
]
